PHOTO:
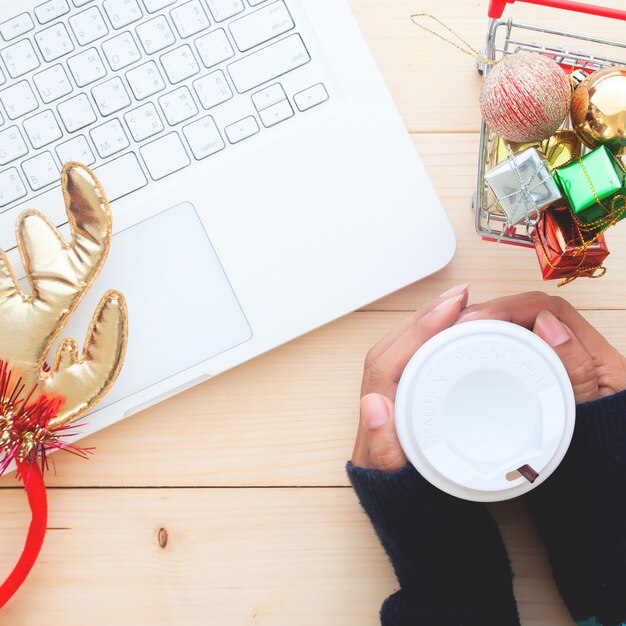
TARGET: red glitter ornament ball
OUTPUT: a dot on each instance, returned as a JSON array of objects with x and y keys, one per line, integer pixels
[{"x": 525, "y": 97}]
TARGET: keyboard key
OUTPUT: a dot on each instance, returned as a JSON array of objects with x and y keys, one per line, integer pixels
[
  {"x": 214, "y": 48},
  {"x": 76, "y": 113},
  {"x": 121, "y": 176},
  {"x": 76, "y": 149},
  {"x": 311, "y": 97},
  {"x": 81, "y": 3},
  {"x": 54, "y": 42},
  {"x": 261, "y": 26},
  {"x": 190, "y": 18},
  {"x": 179, "y": 64},
  {"x": 12, "y": 145},
  {"x": 212, "y": 89},
  {"x": 144, "y": 122},
  {"x": 42, "y": 129},
  {"x": 223, "y": 9},
  {"x": 41, "y": 170},
  {"x": 18, "y": 100},
  {"x": 155, "y": 35},
  {"x": 16, "y": 26},
  {"x": 276, "y": 113},
  {"x": 152, "y": 6},
  {"x": 88, "y": 26},
  {"x": 122, "y": 12},
  {"x": 268, "y": 96},
  {"x": 52, "y": 83},
  {"x": 204, "y": 138},
  {"x": 50, "y": 10},
  {"x": 109, "y": 138},
  {"x": 87, "y": 67},
  {"x": 178, "y": 106},
  {"x": 145, "y": 80},
  {"x": 11, "y": 188},
  {"x": 20, "y": 58},
  {"x": 165, "y": 156},
  {"x": 111, "y": 96},
  {"x": 242, "y": 129},
  {"x": 121, "y": 51},
  {"x": 269, "y": 63}
]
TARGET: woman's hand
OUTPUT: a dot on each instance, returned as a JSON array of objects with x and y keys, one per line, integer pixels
[
  {"x": 595, "y": 368},
  {"x": 377, "y": 444}
]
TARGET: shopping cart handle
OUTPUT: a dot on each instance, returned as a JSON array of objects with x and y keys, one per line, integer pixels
[{"x": 496, "y": 8}]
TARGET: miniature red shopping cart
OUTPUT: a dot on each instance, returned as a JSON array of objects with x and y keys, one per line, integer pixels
[{"x": 506, "y": 36}]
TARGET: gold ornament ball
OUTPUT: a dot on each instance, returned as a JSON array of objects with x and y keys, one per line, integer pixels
[{"x": 599, "y": 110}]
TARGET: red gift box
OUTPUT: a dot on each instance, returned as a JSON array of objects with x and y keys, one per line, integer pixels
[{"x": 566, "y": 252}]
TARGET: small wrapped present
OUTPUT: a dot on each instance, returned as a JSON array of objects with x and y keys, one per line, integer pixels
[
  {"x": 595, "y": 187},
  {"x": 564, "y": 250},
  {"x": 558, "y": 150},
  {"x": 523, "y": 186}
]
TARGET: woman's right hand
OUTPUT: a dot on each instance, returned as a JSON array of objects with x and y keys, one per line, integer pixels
[{"x": 596, "y": 369}]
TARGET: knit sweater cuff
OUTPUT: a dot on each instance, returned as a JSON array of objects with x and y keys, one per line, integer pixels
[
  {"x": 397, "y": 489},
  {"x": 447, "y": 553},
  {"x": 600, "y": 433},
  {"x": 397, "y": 504},
  {"x": 580, "y": 513}
]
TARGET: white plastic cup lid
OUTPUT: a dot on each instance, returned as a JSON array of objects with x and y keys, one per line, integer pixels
[{"x": 481, "y": 400}]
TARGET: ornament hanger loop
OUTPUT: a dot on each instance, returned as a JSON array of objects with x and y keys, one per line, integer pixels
[{"x": 466, "y": 48}]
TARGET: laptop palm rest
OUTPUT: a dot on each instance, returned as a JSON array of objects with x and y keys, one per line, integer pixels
[{"x": 182, "y": 309}]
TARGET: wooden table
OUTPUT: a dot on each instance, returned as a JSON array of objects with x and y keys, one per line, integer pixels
[{"x": 229, "y": 505}]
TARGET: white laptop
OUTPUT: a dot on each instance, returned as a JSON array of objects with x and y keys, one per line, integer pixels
[{"x": 261, "y": 179}]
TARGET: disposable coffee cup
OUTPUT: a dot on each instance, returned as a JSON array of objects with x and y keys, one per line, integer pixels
[{"x": 485, "y": 411}]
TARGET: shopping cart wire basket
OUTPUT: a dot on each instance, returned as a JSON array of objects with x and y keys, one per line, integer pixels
[{"x": 506, "y": 36}]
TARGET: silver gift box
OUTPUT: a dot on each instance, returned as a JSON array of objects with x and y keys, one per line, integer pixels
[{"x": 523, "y": 186}]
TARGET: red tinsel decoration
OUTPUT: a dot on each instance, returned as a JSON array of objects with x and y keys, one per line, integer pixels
[
  {"x": 25, "y": 437},
  {"x": 25, "y": 431}
]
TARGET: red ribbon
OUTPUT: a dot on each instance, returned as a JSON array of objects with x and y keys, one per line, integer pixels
[{"x": 36, "y": 492}]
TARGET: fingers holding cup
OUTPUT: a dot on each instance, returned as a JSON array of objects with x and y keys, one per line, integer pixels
[
  {"x": 383, "y": 372},
  {"x": 579, "y": 364},
  {"x": 382, "y": 450},
  {"x": 411, "y": 320},
  {"x": 383, "y": 367}
]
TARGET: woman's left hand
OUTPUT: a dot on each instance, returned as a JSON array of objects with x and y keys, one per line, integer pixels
[{"x": 377, "y": 444}]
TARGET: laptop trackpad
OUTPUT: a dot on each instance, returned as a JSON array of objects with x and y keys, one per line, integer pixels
[{"x": 181, "y": 307}]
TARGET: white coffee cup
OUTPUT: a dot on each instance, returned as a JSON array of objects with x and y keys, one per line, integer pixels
[{"x": 478, "y": 402}]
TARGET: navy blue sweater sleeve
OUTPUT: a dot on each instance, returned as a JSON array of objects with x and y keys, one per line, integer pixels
[
  {"x": 447, "y": 553},
  {"x": 581, "y": 513}
]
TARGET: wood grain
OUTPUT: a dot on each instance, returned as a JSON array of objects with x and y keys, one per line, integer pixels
[
  {"x": 434, "y": 85},
  {"x": 287, "y": 418},
  {"x": 233, "y": 557},
  {"x": 285, "y": 557},
  {"x": 244, "y": 475}
]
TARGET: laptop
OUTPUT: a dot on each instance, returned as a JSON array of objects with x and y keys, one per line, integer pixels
[{"x": 261, "y": 180}]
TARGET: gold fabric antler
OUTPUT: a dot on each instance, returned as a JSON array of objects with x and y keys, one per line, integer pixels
[{"x": 59, "y": 275}]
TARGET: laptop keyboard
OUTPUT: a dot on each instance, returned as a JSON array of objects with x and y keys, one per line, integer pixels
[{"x": 140, "y": 89}]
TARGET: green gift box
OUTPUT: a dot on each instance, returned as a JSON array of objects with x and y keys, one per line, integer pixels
[{"x": 600, "y": 175}]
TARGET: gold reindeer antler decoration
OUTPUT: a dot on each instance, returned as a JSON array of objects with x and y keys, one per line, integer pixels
[{"x": 60, "y": 274}]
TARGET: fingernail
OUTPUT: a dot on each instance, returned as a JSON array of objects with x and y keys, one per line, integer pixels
[
  {"x": 551, "y": 330},
  {"x": 454, "y": 290},
  {"x": 446, "y": 304},
  {"x": 374, "y": 411}
]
